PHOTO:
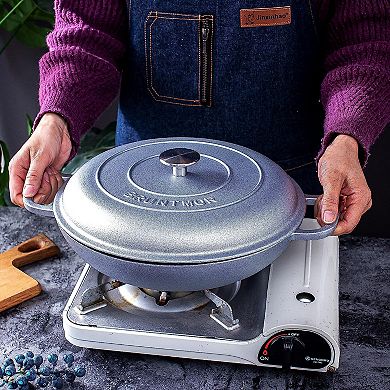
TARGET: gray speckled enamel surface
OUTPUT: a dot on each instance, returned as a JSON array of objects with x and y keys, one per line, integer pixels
[
  {"x": 364, "y": 320},
  {"x": 232, "y": 203}
]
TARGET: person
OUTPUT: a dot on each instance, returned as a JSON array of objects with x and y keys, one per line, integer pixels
[{"x": 307, "y": 83}]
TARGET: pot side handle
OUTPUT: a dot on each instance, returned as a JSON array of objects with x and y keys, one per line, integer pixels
[
  {"x": 314, "y": 234},
  {"x": 44, "y": 210}
]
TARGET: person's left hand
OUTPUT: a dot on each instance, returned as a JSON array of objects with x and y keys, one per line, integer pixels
[{"x": 344, "y": 184}]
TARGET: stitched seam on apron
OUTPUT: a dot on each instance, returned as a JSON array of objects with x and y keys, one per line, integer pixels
[
  {"x": 168, "y": 15},
  {"x": 156, "y": 94},
  {"x": 199, "y": 58},
  {"x": 148, "y": 59},
  {"x": 211, "y": 59},
  {"x": 313, "y": 20}
]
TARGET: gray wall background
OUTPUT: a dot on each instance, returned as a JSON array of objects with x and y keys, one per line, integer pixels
[{"x": 19, "y": 96}]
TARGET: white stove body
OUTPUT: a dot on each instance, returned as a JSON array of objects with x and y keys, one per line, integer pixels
[{"x": 300, "y": 328}]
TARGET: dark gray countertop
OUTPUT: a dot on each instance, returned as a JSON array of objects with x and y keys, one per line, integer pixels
[{"x": 36, "y": 325}]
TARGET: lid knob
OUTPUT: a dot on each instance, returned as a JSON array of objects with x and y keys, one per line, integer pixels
[{"x": 179, "y": 159}]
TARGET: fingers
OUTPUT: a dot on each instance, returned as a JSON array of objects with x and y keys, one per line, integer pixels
[
  {"x": 45, "y": 189},
  {"x": 340, "y": 173},
  {"x": 329, "y": 204},
  {"x": 49, "y": 145},
  {"x": 39, "y": 162},
  {"x": 18, "y": 168},
  {"x": 26, "y": 172},
  {"x": 52, "y": 181},
  {"x": 56, "y": 179},
  {"x": 355, "y": 206}
]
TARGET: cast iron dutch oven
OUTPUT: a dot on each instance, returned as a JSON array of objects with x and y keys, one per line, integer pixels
[{"x": 180, "y": 214}]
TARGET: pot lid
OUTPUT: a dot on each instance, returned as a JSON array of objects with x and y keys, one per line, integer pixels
[{"x": 179, "y": 200}]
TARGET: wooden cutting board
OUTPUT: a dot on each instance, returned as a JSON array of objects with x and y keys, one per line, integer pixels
[{"x": 15, "y": 285}]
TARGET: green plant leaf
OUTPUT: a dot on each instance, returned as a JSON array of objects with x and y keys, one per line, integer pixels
[
  {"x": 7, "y": 198},
  {"x": 45, "y": 5},
  {"x": 30, "y": 22},
  {"x": 81, "y": 159},
  {"x": 107, "y": 141},
  {"x": 97, "y": 138},
  {"x": 4, "y": 176},
  {"x": 88, "y": 142},
  {"x": 4, "y": 161},
  {"x": 96, "y": 141},
  {"x": 15, "y": 18},
  {"x": 29, "y": 125},
  {"x": 7, "y": 11},
  {"x": 34, "y": 30}
]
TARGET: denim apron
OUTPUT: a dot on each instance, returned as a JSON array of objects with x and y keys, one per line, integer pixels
[{"x": 192, "y": 70}]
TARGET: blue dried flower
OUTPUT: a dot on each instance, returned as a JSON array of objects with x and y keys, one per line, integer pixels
[
  {"x": 21, "y": 380},
  {"x": 79, "y": 371},
  {"x": 58, "y": 383},
  {"x": 12, "y": 385},
  {"x": 20, "y": 359},
  {"x": 70, "y": 377},
  {"x": 31, "y": 374},
  {"x": 28, "y": 363},
  {"x": 9, "y": 362},
  {"x": 53, "y": 359},
  {"x": 30, "y": 369},
  {"x": 10, "y": 370},
  {"x": 42, "y": 382},
  {"x": 38, "y": 360},
  {"x": 69, "y": 359},
  {"x": 45, "y": 371}
]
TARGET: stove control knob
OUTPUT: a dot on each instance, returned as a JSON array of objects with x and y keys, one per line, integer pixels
[
  {"x": 297, "y": 349},
  {"x": 290, "y": 346},
  {"x": 179, "y": 159}
]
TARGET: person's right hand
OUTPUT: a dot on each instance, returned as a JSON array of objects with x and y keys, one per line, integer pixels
[{"x": 35, "y": 171}]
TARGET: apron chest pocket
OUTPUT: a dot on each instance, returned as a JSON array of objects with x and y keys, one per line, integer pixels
[{"x": 178, "y": 51}]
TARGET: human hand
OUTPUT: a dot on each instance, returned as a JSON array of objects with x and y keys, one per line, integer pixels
[
  {"x": 344, "y": 184},
  {"x": 35, "y": 168}
]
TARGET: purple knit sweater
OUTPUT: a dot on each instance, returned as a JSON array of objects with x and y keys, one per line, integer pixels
[{"x": 80, "y": 75}]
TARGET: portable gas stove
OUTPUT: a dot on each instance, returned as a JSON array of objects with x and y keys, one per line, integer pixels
[{"x": 284, "y": 316}]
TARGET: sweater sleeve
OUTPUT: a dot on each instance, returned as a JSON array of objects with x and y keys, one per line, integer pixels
[
  {"x": 355, "y": 91},
  {"x": 80, "y": 75}
]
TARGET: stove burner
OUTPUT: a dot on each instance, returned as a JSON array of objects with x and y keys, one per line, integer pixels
[
  {"x": 126, "y": 297},
  {"x": 162, "y": 297}
]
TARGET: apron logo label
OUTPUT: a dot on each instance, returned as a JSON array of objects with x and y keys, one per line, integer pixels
[
  {"x": 165, "y": 202},
  {"x": 256, "y": 17}
]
